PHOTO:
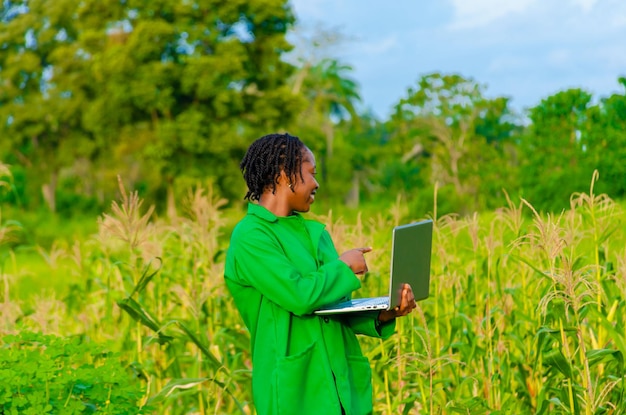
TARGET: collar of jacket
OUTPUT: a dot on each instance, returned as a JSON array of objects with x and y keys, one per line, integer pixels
[
  {"x": 314, "y": 228},
  {"x": 261, "y": 212}
]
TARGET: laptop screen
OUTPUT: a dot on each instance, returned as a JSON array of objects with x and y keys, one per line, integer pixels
[{"x": 410, "y": 261}]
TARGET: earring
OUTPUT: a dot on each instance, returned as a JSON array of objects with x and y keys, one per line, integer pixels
[{"x": 290, "y": 185}]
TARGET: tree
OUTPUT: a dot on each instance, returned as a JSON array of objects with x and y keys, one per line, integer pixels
[
  {"x": 456, "y": 136},
  {"x": 604, "y": 143},
  {"x": 331, "y": 97},
  {"x": 363, "y": 159},
  {"x": 552, "y": 152},
  {"x": 42, "y": 90},
  {"x": 165, "y": 88}
]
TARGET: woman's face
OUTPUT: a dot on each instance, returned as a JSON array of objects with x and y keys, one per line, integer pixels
[{"x": 302, "y": 193}]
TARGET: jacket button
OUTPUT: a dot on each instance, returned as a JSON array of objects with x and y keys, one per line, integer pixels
[{"x": 326, "y": 319}]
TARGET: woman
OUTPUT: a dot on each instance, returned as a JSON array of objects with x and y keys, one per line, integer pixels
[{"x": 280, "y": 268}]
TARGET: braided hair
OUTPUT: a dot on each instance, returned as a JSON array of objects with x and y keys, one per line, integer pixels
[{"x": 266, "y": 158}]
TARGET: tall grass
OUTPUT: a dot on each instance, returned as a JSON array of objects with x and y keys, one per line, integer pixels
[{"x": 524, "y": 313}]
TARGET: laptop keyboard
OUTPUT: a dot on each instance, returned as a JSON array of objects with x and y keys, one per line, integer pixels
[{"x": 371, "y": 301}]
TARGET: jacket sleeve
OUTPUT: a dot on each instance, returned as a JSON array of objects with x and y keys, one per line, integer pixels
[
  {"x": 365, "y": 323},
  {"x": 259, "y": 262}
]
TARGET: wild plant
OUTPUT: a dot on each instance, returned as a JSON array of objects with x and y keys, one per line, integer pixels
[
  {"x": 571, "y": 307},
  {"x": 188, "y": 342},
  {"x": 523, "y": 317},
  {"x": 51, "y": 374},
  {"x": 10, "y": 310},
  {"x": 6, "y": 177}
]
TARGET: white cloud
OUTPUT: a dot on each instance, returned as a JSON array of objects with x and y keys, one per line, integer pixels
[
  {"x": 525, "y": 49},
  {"x": 468, "y": 14},
  {"x": 586, "y": 5},
  {"x": 480, "y": 13}
]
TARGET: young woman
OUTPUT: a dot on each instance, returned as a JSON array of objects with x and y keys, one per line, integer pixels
[{"x": 280, "y": 268}]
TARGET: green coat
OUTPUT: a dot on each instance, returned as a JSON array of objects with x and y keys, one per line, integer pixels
[{"x": 279, "y": 270}]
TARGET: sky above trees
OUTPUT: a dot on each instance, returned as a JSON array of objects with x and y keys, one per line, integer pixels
[{"x": 526, "y": 50}]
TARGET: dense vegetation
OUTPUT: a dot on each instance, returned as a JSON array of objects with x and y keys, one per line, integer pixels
[
  {"x": 523, "y": 315},
  {"x": 166, "y": 95}
]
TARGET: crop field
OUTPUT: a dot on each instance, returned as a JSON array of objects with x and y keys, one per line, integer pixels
[{"x": 525, "y": 314}]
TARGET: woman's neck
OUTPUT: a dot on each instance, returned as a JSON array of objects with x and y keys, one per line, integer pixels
[{"x": 274, "y": 204}]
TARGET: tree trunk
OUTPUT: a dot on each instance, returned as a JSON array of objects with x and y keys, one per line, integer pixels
[
  {"x": 48, "y": 191},
  {"x": 353, "y": 196},
  {"x": 330, "y": 138},
  {"x": 171, "y": 202}
]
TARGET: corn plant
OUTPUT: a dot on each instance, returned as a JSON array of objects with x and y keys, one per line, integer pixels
[{"x": 523, "y": 314}]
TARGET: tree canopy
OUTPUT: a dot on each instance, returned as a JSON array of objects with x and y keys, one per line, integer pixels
[
  {"x": 171, "y": 89},
  {"x": 167, "y": 94}
]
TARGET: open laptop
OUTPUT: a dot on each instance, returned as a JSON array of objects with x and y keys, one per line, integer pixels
[{"x": 410, "y": 263}]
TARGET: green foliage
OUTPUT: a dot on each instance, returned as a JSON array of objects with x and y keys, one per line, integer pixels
[
  {"x": 168, "y": 94},
  {"x": 604, "y": 141},
  {"x": 551, "y": 152},
  {"x": 155, "y": 89},
  {"x": 324, "y": 122},
  {"x": 523, "y": 315},
  {"x": 12, "y": 184},
  {"x": 49, "y": 374},
  {"x": 458, "y": 137}
]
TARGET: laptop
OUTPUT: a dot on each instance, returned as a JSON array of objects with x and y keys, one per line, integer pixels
[{"x": 410, "y": 263}]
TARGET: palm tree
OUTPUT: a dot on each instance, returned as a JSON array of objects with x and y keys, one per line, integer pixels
[{"x": 331, "y": 96}]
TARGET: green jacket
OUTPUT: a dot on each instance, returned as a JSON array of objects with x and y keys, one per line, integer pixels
[{"x": 279, "y": 270}]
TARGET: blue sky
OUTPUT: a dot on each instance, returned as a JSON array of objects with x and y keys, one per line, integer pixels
[{"x": 526, "y": 50}]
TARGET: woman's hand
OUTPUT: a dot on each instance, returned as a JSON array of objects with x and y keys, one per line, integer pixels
[
  {"x": 407, "y": 304},
  {"x": 355, "y": 259}
]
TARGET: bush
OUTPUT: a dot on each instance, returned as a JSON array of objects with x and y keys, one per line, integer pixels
[{"x": 41, "y": 374}]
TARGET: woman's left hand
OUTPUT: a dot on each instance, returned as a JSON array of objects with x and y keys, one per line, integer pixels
[{"x": 407, "y": 304}]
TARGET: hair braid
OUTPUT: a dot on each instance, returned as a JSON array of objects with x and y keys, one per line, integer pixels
[{"x": 266, "y": 158}]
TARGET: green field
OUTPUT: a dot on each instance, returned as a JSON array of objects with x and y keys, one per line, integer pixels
[
  {"x": 122, "y": 309},
  {"x": 524, "y": 313}
]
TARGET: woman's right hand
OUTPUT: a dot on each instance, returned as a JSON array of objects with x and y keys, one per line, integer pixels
[{"x": 355, "y": 259}]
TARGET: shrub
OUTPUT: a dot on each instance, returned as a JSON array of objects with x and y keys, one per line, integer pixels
[{"x": 41, "y": 374}]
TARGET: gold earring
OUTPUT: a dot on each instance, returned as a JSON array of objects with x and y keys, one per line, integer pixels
[{"x": 290, "y": 185}]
